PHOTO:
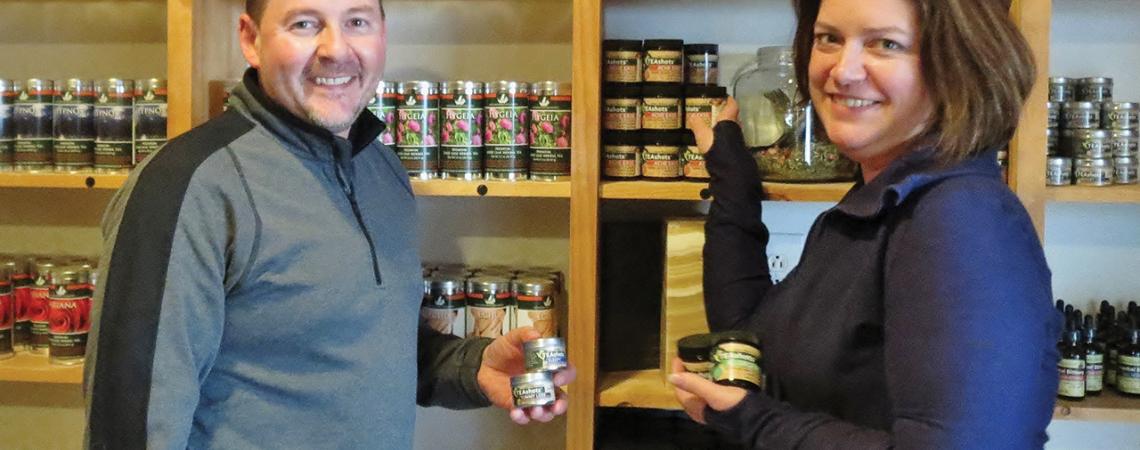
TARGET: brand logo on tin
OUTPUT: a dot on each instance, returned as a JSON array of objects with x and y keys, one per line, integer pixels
[
  {"x": 103, "y": 98},
  {"x": 503, "y": 98},
  {"x": 149, "y": 95},
  {"x": 40, "y": 281},
  {"x": 548, "y": 302},
  {"x": 67, "y": 96},
  {"x": 544, "y": 102},
  {"x": 439, "y": 301},
  {"x": 461, "y": 100},
  {"x": 23, "y": 95},
  {"x": 411, "y": 101},
  {"x": 61, "y": 291}
]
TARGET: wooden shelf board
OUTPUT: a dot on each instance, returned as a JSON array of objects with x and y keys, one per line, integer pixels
[
  {"x": 459, "y": 188},
  {"x": 636, "y": 389},
  {"x": 28, "y": 368},
  {"x": 1128, "y": 193},
  {"x": 693, "y": 190},
  {"x": 1106, "y": 407},
  {"x": 61, "y": 180}
]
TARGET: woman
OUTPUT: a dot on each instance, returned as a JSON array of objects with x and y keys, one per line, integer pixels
[{"x": 919, "y": 315}]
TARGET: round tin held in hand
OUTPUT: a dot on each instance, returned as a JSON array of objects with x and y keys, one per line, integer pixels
[
  {"x": 533, "y": 389},
  {"x": 547, "y": 354}
]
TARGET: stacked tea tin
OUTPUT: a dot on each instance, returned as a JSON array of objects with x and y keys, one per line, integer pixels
[
  {"x": 1092, "y": 139},
  {"x": 490, "y": 301}
]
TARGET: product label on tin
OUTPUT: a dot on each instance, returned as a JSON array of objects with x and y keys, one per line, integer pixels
[
  {"x": 416, "y": 140},
  {"x": 550, "y": 129},
  {"x": 545, "y": 358},
  {"x": 535, "y": 394},
  {"x": 461, "y": 137},
  {"x": 702, "y": 69},
  {"x": 490, "y": 322},
  {"x": 737, "y": 369},
  {"x": 150, "y": 128},
  {"x": 32, "y": 122},
  {"x": 1125, "y": 173},
  {"x": 664, "y": 66},
  {"x": 446, "y": 320},
  {"x": 702, "y": 109},
  {"x": 1081, "y": 118},
  {"x": 537, "y": 313},
  {"x": 7, "y": 133},
  {"x": 661, "y": 114},
  {"x": 1094, "y": 372},
  {"x": 1094, "y": 92},
  {"x": 1128, "y": 374},
  {"x": 1060, "y": 92},
  {"x": 40, "y": 312},
  {"x": 384, "y": 108},
  {"x": 1124, "y": 146},
  {"x": 700, "y": 368},
  {"x": 1072, "y": 372},
  {"x": 1054, "y": 118},
  {"x": 693, "y": 163},
  {"x": 623, "y": 66},
  {"x": 622, "y": 161},
  {"x": 70, "y": 319},
  {"x": 74, "y": 133},
  {"x": 1058, "y": 176},
  {"x": 661, "y": 161},
  {"x": 1120, "y": 120},
  {"x": 114, "y": 134},
  {"x": 1094, "y": 176},
  {"x": 505, "y": 137},
  {"x": 622, "y": 114}
]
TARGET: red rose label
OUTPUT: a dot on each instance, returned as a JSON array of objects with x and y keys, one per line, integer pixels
[
  {"x": 70, "y": 316},
  {"x": 7, "y": 311},
  {"x": 38, "y": 306},
  {"x": 23, "y": 300}
]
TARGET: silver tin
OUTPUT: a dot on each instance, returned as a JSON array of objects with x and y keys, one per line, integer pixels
[
  {"x": 1094, "y": 89},
  {"x": 1120, "y": 116},
  {"x": 461, "y": 130},
  {"x": 1124, "y": 143},
  {"x": 444, "y": 307},
  {"x": 32, "y": 119},
  {"x": 547, "y": 354},
  {"x": 1061, "y": 89},
  {"x": 149, "y": 117},
  {"x": 1086, "y": 144},
  {"x": 533, "y": 389},
  {"x": 550, "y": 115},
  {"x": 1080, "y": 115},
  {"x": 73, "y": 147},
  {"x": 70, "y": 298},
  {"x": 1059, "y": 171},
  {"x": 506, "y": 143},
  {"x": 1124, "y": 170},
  {"x": 1052, "y": 137},
  {"x": 1054, "y": 114},
  {"x": 114, "y": 125},
  {"x": 417, "y": 128},
  {"x": 1093, "y": 172},
  {"x": 489, "y": 306}
]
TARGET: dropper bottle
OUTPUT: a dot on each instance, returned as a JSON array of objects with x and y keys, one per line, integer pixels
[{"x": 1094, "y": 359}]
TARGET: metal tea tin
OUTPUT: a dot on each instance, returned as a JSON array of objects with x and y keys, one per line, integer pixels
[
  {"x": 664, "y": 61},
  {"x": 9, "y": 92},
  {"x": 489, "y": 306},
  {"x": 444, "y": 307},
  {"x": 703, "y": 103},
  {"x": 534, "y": 305},
  {"x": 1124, "y": 170},
  {"x": 383, "y": 106},
  {"x": 1093, "y": 172},
  {"x": 1124, "y": 143},
  {"x": 1062, "y": 89},
  {"x": 7, "y": 310},
  {"x": 73, "y": 148},
  {"x": 661, "y": 155},
  {"x": 621, "y": 155},
  {"x": 1054, "y": 116},
  {"x": 114, "y": 136},
  {"x": 1094, "y": 89},
  {"x": 550, "y": 127},
  {"x": 622, "y": 60},
  {"x": 149, "y": 117},
  {"x": 32, "y": 119},
  {"x": 505, "y": 141},
  {"x": 1120, "y": 116},
  {"x": 694, "y": 353},
  {"x": 693, "y": 165},
  {"x": 1052, "y": 138},
  {"x": 701, "y": 64},
  {"x": 461, "y": 135},
  {"x": 533, "y": 389},
  {"x": 1080, "y": 115},
  {"x": 661, "y": 107},
  {"x": 621, "y": 108},
  {"x": 736, "y": 361},
  {"x": 1087, "y": 144},
  {"x": 546, "y": 354},
  {"x": 69, "y": 305},
  {"x": 1059, "y": 171},
  {"x": 417, "y": 129},
  {"x": 38, "y": 307}
]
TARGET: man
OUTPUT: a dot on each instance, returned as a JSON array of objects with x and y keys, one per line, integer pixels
[{"x": 261, "y": 276}]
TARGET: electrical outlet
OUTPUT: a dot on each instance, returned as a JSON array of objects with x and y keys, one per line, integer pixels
[{"x": 784, "y": 251}]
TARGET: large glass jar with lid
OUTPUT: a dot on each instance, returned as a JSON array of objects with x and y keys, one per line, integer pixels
[{"x": 786, "y": 139}]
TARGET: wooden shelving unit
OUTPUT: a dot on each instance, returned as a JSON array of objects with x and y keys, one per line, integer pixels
[
  {"x": 27, "y": 368},
  {"x": 1106, "y": 407},
  {"x": 1094, "y": 194},
  {"x": 691, "y": 190}
]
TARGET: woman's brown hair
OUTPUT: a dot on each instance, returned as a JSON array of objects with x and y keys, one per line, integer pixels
[{"x": 976, "y": 65}]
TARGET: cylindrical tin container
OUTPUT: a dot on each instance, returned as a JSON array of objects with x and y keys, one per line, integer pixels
[
  {"x": 622, "y": 60},
  {"x": 550, "y": 103},
  {"x": 150, "y": 117},
  {"x": 7, "y": 310},
  {"x": 70, "y": 314},
  {"x": 1080, "y": 115},
  {"x": 1124, "y": 143},
  {"x": 489, "y": 304},
  {"x": 383, "y": 106},
  {"x": 546, "y": 354},
  {"x": 1094, "y": 89},
  {"x": 621, "y": 109},
  {"x": 39, "y": 309},
  {"x": 662, "y": 107},
  {"x": 1052, "y": 138},
  {"x": 461, "y": 135},
  {"x": 1054, "y": 116},
  {"x": 621, "y": 155},
  {"x": 506, "y": 147},
  {"x": 661, "y": 155},
  {"x": 533, "y": 389},
  {"x": 445, "y": 305},
  {"x": 1120, "y": 116},
  {"x": 9, "y": 92},
  {"x": 1062, "y": 89},
  {"x": 737, "y": 360},
  {"x": 73, "y": 148},
  {"x": 693, "y": 165},
  {"x": 114, "y": 137},
  {"x": 417, "y": 131},
  {"x": 694, "y": 351},
  {"x": 1087, "y": 144},
  {"x": 22, "y": 282},
  {"x": 32, "y": 119},
  {"x": 664, "y": 61},
  {"x": 1093, "y": 172},
  {"x": 703, "y": 103},
  {"x": 702, "y": 64},
  {"x": 1059, "y": 171},
  {"x": 534, "y": 305},
  {"x": 1124, "y": 170}
]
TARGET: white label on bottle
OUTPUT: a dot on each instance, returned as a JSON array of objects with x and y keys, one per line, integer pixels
[{"x": 1072, "y": 372}]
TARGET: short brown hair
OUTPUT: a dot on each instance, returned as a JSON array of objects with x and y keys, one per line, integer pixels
[
  {"x": 255, "y": 8},
  {"x": 976, "y": 66}
]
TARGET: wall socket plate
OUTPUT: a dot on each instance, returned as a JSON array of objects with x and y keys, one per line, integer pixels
[{"x": 784, "y": 250}]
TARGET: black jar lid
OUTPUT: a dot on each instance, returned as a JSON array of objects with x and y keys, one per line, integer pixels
[
  {"x": 622, "y": 90},
  {"x": 669, "y": 90},
  {"x": 661, "y": 138},
  {"x": 695, "y": 347},
  {"x": 700, "y": 49},
  {"x": 621, "y": 45},
  {"x": 738, "y": 336},
  {"x": 709, "y": 91},
  {"x": 622, "y": 138},
  {"x": 664, "y": 44}
]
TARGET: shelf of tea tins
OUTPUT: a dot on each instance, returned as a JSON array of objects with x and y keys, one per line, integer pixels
[
  {"x": 695, "y": 191},
  {"x": 60, "y": 180},
  {"x": 481, "y": 188},
  {"x": 636, "y": 389},
  {"x": 1125, "y": 193},
  {"x": 28, "y": 368},
  {"x": 1109, "y": 406}
]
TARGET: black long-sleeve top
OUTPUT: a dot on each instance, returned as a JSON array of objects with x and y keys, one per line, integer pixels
[{"x": 918, "y": 317}]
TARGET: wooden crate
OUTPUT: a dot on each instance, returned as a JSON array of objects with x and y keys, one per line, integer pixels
[{"x": 682, "y": 304}]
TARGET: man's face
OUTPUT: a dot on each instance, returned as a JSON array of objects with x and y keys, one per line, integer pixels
[{"x": 320, "y": 59}]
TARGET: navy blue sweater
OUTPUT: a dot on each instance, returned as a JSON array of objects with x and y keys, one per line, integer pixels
[{"x": 919, "y": 316}]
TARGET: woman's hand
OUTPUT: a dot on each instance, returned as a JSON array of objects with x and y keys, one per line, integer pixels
[
  {"x": 729, "y": 110},
  {"x": 695, "y": 392}
]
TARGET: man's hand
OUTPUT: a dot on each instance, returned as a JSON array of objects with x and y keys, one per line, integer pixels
[
  {"x": 729, "y": 110},
  {"x": 695, "y": 392},
  {"x": 504, "y": 359}
]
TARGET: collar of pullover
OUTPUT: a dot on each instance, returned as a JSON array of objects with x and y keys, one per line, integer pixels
[
  {"x": 299, "y": 135},
  {"x": 907, "y": 175}
]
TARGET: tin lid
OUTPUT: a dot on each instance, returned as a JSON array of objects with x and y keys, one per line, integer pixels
[
  {"x": 708, "y": 91},
  {"x": 622, "y": 90},
  {"x": 1122, "y": 106},
  {"x": 77, "y": 85},
  {"x": 660, "y": 138},
  {"x": 1094, "y": 133},
  {"x": 462, "y": 86},
  {"x": 695, "y": 348},
  {"x": 535, "y": 287},
  {"x": 1059, "y": 80},
  {"x": 510, "y": 87},
  {"x": 1053, "y": 105},
  {"x": 1121, "y": 133},
  {"x": 1096, "y": 80},
  {"x": 64, "y": 275},
  {"x": 446, "y": 283},
  {"x": 551, "y": 88},
  {"x": 387, "y": 87},
  {"x": 488, "y": 283},
  {"x": 700, "y": 49},
  {"x": 663, "y": 91},
  {"x": 622, "y": 138},
  {"x": 116, "y": 86},
  {"x": 738, "y": 336},
  {"x": 555, "y": 342},
  {"x": 1080, "y": 105},
  {"x": 1098, "y": 163},
  {"x": 39, "y": 84},
  {"x": 532, "y": 377},
  {"x": 664, "y": 44},
  {"x": 624, "y": 45},
  {"x": 1060, "y": 161},
  {"x": 418, "y": 87}
]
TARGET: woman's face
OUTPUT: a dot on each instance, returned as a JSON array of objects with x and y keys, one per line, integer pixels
[{"x": 866, "y": 81}]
